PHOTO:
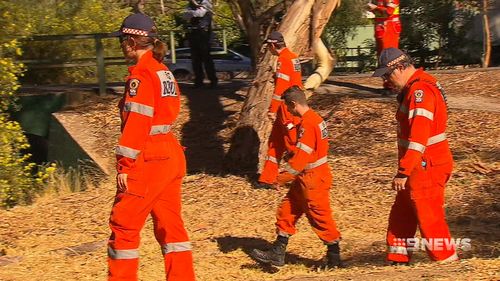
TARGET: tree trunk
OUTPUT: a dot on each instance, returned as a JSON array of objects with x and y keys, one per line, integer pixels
[
  {"x": 249, "y": 142},
  {"x": 486, "y": 35}
]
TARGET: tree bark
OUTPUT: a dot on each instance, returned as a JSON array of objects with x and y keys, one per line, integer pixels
[
  {"x": 300, "y": 30},
  {"x": 252, "y": 18}
]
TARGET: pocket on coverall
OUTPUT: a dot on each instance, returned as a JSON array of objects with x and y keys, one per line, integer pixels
[
  {"x": 135, "y": 185},
  {"x": 379, "y": 31},
  {"x": 420, "y": 181}
]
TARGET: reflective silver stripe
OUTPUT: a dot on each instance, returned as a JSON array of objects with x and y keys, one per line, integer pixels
[
  {"x": 398, "y": 250},
  {"x": 403, "y": 109},
  {"x": 412, "y": 145},
  {"x": 139, "y": 108},
  {"x": 392, "y": 5},
  {"x": 283, "y": 76},
  {"x": 127, "y": 151},
  {"x": 176, "y": 247},
  {"x": 436, "y": 139},
  {"x": 421, "y": 112},
  {"x": 291, "y": 170},
  {"x": 272, "y": 159},
  {"x": 284, "y": 234},
  {"x": 304, "y": 147},
  {"x": 123, "y": 254},
  {"x": 160, "y": 129},
  {"x": 419, "y": 147},
  {"x": 316, "y": 163},
  {"x": 276, "y": 97}
]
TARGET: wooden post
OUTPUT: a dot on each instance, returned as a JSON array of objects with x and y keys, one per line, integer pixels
[
  {"x": 101, "y": 75},
  {"x": 224, "y": 42},
  {"x": 172, "y": 47}
]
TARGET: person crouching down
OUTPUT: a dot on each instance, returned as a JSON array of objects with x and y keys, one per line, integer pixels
[{"x": 307, "y": 168}]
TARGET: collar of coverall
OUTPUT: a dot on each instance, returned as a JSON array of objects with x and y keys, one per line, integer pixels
[{"x": 143, "y": 61}]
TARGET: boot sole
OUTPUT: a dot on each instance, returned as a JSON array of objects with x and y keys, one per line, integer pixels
[{"x": 266, "y": 261}]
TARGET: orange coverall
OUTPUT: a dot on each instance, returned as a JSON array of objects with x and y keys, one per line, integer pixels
[
  {"x": 425, "y": 157},
  {"x": 309, "y": 193},
  {"x": 284, "y": 133},
  {"x": 387, "y": 24},
  {"x": 154, "y": 161}
]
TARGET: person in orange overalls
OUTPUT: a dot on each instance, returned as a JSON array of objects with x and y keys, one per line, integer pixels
[
  {"x": 307, "y": 167},
  {"x": 150, "y": 160},
  {"x": 283, "y": 134},
  {"x": 425, "y": 160},
  {"x": 387, "y": 27}
]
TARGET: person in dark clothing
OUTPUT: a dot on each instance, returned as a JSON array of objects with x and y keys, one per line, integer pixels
[{"x": 199, "y": 15}]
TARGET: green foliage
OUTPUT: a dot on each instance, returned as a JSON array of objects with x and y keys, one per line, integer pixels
[
  {"x": 53, "y": 17},
  {"x": 343, "y": 23},
  {"x": 17, "y": 183},
  {"x": 434, "y": 31}
]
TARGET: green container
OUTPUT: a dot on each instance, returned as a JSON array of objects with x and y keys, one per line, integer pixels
[{"x": 35, "y": 112}]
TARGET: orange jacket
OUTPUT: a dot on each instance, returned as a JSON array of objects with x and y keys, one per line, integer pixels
[
  {"x": 148, "y": 108},
  {"x": 422, "y": 117},
  {"x": 386, "y": 10},
  {"x": 287, "y": 74},
  {"x": 312, "y": 145}
]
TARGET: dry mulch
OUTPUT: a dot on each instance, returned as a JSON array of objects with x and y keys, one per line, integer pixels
[{"x": 63, "y": 237}]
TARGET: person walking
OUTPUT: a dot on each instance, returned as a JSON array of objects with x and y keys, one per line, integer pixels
[
  {"x": 387, "y": 28},
  {"x": 425, "y": 160},
  {"x": 150, "y": 160},
  {"x": 199, "y": 14},
  {"x": 284, "y": 132},
  {"x": 307, "y": 168}
]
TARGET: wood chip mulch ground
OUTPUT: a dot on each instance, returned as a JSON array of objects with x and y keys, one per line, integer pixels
[{"x": 63, "y": 236}]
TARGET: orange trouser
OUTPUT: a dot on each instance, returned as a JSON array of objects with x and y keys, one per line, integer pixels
[
  {"x": 387, "y": 36},
  {"x": 421, "y": 203},
  {"x": 281, "y": 140},
  {"x": 309, "y": 195},
  {"x": 154, "y": 187}
]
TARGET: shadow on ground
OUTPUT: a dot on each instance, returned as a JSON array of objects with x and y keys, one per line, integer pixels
[
  {"x": 365, "y": 257},
  {"x": 207, "y": 116}
]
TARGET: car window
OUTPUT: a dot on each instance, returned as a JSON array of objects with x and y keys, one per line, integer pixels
[
  {"x": 217, "y": 54},
  {"x": 181, "y": 54},
  {"x": 227, "y": 56}
]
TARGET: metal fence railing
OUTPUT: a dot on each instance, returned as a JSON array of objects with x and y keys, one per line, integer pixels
[
  {"x": 357, "y": 59},
  {"x": 100, "y": 60}
]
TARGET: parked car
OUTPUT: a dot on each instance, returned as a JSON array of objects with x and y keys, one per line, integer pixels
[{"x": 230, "y": 63}]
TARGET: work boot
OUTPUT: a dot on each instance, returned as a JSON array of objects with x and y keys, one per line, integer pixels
[
  {"x": 400, "y": 263},
  {"x": 262, "y": 185},
  {"x": 213, "y": 84},
  {"x": 274, "y": 256},
  {"x": 198, "y": 85},
  {"x": 333, "y": 256}
]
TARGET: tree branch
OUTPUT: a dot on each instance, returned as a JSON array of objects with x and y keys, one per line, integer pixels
[{"x": 269, "y": 13}]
